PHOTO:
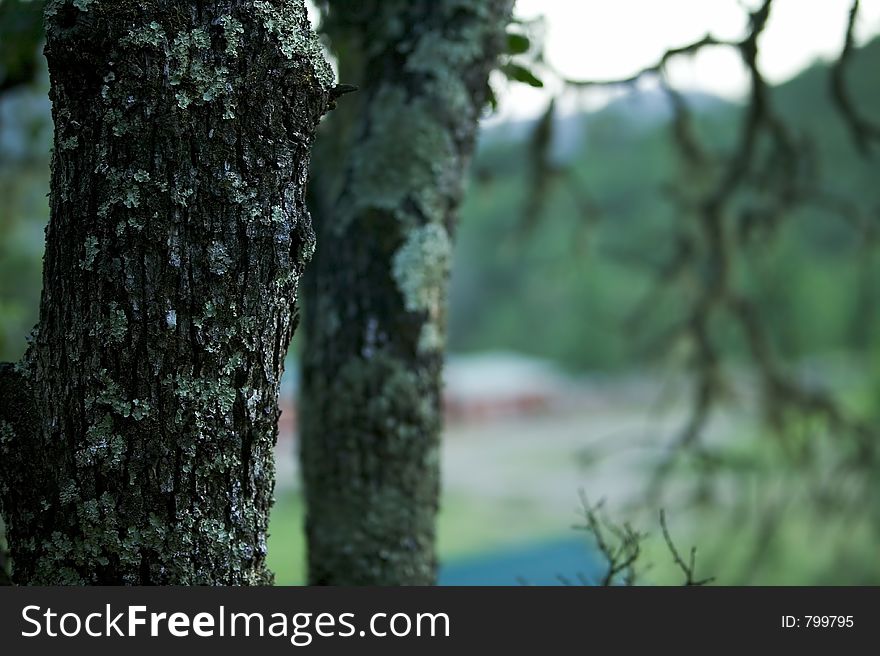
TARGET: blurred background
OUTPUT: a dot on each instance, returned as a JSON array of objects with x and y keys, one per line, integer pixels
[{"x": 665, "y": 295}]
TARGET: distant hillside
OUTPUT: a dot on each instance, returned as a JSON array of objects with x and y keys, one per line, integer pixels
[
  {"x": 564, "y": 287},
  {"x": 641, "y": 109}
]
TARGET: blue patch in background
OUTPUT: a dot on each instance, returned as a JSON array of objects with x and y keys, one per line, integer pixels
[{"x": 536, "y": 564}]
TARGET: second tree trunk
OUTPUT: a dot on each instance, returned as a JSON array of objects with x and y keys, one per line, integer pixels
[{"x": 376, "y": 301}]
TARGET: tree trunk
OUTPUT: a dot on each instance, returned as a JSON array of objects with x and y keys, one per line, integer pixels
[
  {"x": 376, "y": 301},
  {"x": 137, "y": 431}
]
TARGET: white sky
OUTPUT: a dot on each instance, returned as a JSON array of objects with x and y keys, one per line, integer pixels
[{"x": 614, "y": 38}]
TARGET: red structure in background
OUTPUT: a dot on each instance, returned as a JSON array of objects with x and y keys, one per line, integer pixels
[{"x": 479, "y": 388}]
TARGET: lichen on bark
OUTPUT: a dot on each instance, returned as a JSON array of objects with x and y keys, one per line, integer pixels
[{"x": 137, "y": 431}]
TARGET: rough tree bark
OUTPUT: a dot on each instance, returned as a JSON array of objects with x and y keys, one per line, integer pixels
[
  {"x": 376, "y": 298},
  {"x": 137, "y": 431}
]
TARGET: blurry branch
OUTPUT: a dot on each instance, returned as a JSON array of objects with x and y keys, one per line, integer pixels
[
  {"x": 523, "y": 63},
  {"x": 768, "y": 159},
  {"x": 862, "y": 130},
  {"x": 544, "y": 175},
  {"x": 782, "y": 393},
  {"x": 683, "y": 127},
  {"x": 688, "y": 568},
  {"x": 541, "y": 171},
  {"x": 759, "y": 117}
]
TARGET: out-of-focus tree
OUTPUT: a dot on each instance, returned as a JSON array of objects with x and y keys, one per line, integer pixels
[{"x": 388, "y": 183}]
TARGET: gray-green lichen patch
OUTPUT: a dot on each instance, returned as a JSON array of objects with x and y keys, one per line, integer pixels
[
  {"x": 193, "y": 71},
  {"x": 102, "y": 446},
  {"x": 124, "y": 188},
  {"x": 7, "y": 433},
  {"x": 232, "y": 31},
  {"x": 221, "y": 260},
  {"x": 113, "y": 326},
  {"x": 152, "y": 34},
  {"x": 441, "y": 59},
  {"x": 109, "y": 394},
  {"x": 91, "y": 251},
  {"x": 404, "y": 155},
  {"x": 421, "y": 268},
  {"x": 69, "y": 143},
  {"x": 201, "y": 395},
  {"x": 289, "y": 23}
]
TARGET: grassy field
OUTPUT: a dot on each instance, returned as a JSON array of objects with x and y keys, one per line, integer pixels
[
  {"x": 760, "y": 519},
  {"x": 465, "y": 527}
]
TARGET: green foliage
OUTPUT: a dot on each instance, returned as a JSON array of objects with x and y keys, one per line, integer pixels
[
  {"x": 519, "y": 73},
  {"x": 517, "y": 44}
]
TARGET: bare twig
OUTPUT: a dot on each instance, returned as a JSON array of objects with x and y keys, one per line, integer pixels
[
  {"x": 620, "y": 546},
  {"x": 689, "y": 567}
]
